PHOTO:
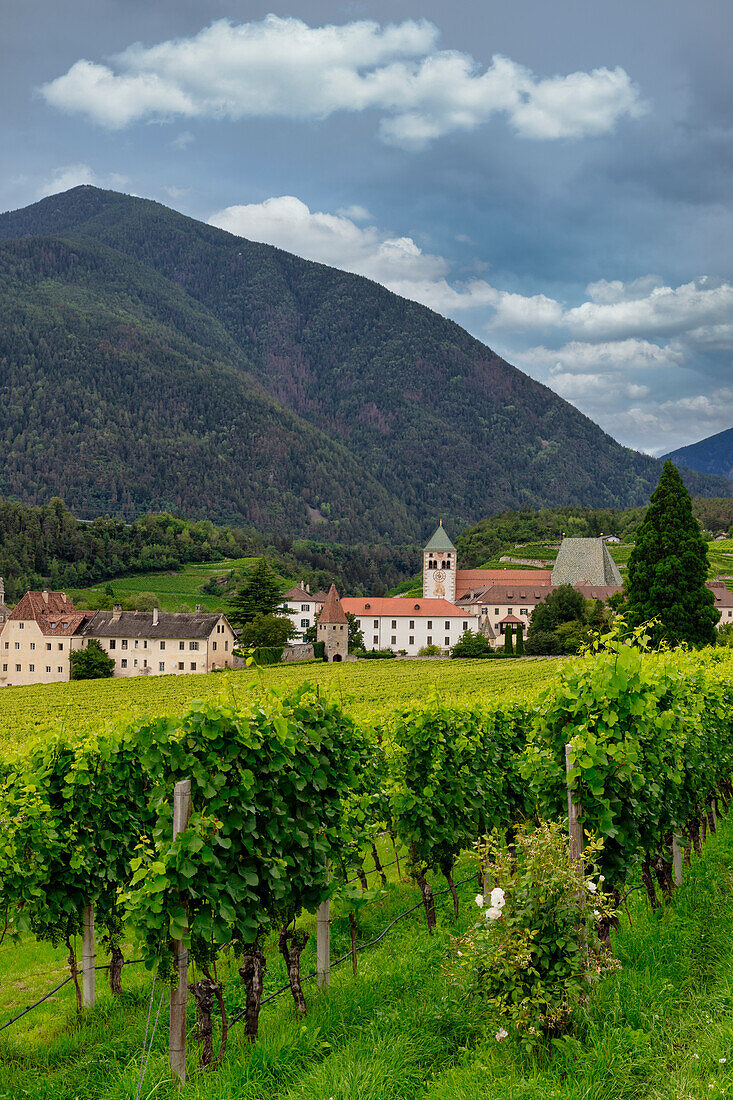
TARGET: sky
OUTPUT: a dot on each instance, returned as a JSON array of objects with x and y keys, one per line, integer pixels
[{"x": 557, "y": 178}]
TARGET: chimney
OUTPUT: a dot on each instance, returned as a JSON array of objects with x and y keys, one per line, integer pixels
[
  {"x": 308, "y": 589},
  {"x": 2, "y": 590},
  {"x": 116, "y": 611},
  {"x": 155, "y": 616},
  {"x": 45, "y": 595},
  {"x": 63, "y": 597},
  {"x": 199, "y": 608}
]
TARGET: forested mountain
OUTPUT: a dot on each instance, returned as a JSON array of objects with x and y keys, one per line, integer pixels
[
  {"x": 713, "y": 455},
  {"x": 149, "y": 361},
  {"x": 48, "y": 547}
]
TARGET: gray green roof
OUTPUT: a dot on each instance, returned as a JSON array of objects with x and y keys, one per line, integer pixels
[
  {"x": 585, "y": 561},
  {"x": 440, "y": 540}
]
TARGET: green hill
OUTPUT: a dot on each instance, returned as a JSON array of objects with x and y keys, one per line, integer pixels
[
  {"x": 151, "y": 362},
  {"x": 713, "y": 455}
]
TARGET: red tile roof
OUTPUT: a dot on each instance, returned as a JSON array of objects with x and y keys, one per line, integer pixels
[
  {"x": 400, "y": 606},
  {"x": 467, "y": 579},
  {"x": 54, "y": 613},
  {"x": 332, "y": 610}
]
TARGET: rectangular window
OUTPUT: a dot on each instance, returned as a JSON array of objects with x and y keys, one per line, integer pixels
[
  {"x": 112, "y": 643},
  {"x": 61, "y": 645},
  {"x": 21, "y": 626},
  {"x": 412, "y": 640},
  {"x": 7, "y": 646},
  {"x": 376, "y": 640},
  {"x": 59, "y": 668},
  {"x": 226, "y": 646},
  {"x": 162, "y": 645},
  {"x": 180, "y": 665},
  {"x": 145, "y": 663},
  {"x": 193, "y": 645},
  {"x": 17, "y": 668},
  {"x": 412, "y": 624},
  {"x": 465, "y": 626},
  {"x": 48, "y": 645},
  {"x": 161, "y": 666},
  {"x": 509, "y": 611},
  {"x": 496, "y": 610},
  {"x": 33, "y": 645},
  {"x": 394, "y": 639},
  {"x": 447, "y": 641},
  {"x": 193, "y": 666},
  {"x": 181, "y": 645},
  {"x": 523, "y": 611},
  {"x": 124, "y": 643},
  {"x": 31, "y": 668},
  {"x": 376, "y": 623},
  {"x": 17, "y": 645},
  {"x": 48, "y": 668},
  {"x": 430, "y": 640},
  {"x": 213, "y": 646},
  {"x": 394, "y": 624},
  {"x": 305, "y": 623},
  {"x": 134, "y": 663},
  {"x": 5, "y": 669},
  {"x": 145, "y": 644},
  {"x": 137, "y": 643},
  {"x": 305, "y": 607},
  {"x": 430, "y": 624},
  {"x": 123, "y": 662},
  {"x": 447, "y": 624}
]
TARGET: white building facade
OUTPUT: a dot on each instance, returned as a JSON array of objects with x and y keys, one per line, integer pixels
[{"x": 408, "y": 625}]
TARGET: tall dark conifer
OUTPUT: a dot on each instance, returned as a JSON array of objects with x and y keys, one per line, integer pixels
[
  {"x": 261, "y": 594},
  {"x": 668, "y": 569}
]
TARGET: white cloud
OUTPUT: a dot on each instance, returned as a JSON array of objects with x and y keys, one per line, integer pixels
[
  {"x": 664, "y": 311},
  {"x": 74, "y": 175},
  {"x": 666, "y": 425},
  {"x": 182, "y": 140},
  {"x": 577, "y": 357},
  {"x": 282, "y": 68},
  {"x": 396, "y": 262}
]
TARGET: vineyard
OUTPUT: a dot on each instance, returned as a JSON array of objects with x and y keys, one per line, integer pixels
[
  {"x": 368, "y": 690},
  {"x": 293, "y": 801}
]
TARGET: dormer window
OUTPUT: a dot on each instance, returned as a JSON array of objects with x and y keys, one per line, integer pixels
[{"x": 416, "y": 607}]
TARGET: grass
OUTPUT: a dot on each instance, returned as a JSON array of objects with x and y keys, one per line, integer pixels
[
  {"x": 401, "y": 1030},
  {"x": 369, "y": 690},
  {"x": 178, "y": 590}
]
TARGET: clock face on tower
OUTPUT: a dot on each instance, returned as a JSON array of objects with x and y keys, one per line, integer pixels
[{"x": 439, "y": 575}]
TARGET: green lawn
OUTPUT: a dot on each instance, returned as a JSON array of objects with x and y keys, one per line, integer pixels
[
  {"x": 177, "y": 591},
  {"x": 401, "y": 1029}
]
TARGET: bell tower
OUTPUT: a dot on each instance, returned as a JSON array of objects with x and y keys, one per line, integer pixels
[{"x": 440, "y": 560}]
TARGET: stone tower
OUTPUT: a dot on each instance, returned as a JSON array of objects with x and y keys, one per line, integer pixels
[
  {"x": 440, "y": 560},
  {"x": 333, "y": 627}
]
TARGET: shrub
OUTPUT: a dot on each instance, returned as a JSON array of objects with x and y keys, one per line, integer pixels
[
  {"x": 542, "y": 643},
  {"x": 508, "y": 643},
  {"x": 429, "y": 651},
  {"x": 534, "y": 954},
  {"x": 377, "y": 654},
  {"x": 472, "y": 645},
  {"x": 91, "y": 663},
  {"x": 319, "y": 651}
]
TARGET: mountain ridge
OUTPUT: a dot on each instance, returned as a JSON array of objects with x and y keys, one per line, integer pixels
[
  {"x": 712, "y": 455},
  {"x": 264, "y": 388}
]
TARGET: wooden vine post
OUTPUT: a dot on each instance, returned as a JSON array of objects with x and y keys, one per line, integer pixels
[
  {"x": 177, "y": 1040},
  {"x": 323, "y": 943},
  {"x": 88, "y": 956},
  {"x": 676, "y": 859},
  {"x": 574, "y": 827}
]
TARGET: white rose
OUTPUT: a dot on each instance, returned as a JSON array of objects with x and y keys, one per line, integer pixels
[
  {"x": 497, "y": 897},
  {"x": 501, "y": 1034},
  {"x": 591, "y": 886},
  {"x": 493, "y": 913},
  {"x": 479, "y": 899},
  {"x": 596, "y": 914}
]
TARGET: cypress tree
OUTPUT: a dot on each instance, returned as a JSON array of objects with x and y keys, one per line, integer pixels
[
  {"x": 508, "y": 647},
  {"x": 519, "y": 649},
  {"x": 668, "y": 569},
  {"x": 261, "y": 594}
]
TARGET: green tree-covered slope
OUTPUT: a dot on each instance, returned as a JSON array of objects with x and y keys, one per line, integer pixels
[
  {"x": 713, "y": 455},
  {"x": 151, "y": 361}
]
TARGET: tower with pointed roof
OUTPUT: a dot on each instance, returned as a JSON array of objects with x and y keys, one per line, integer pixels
[
  {"x": 440, "y": 560},
  {"x": 333, "y": 627}
]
